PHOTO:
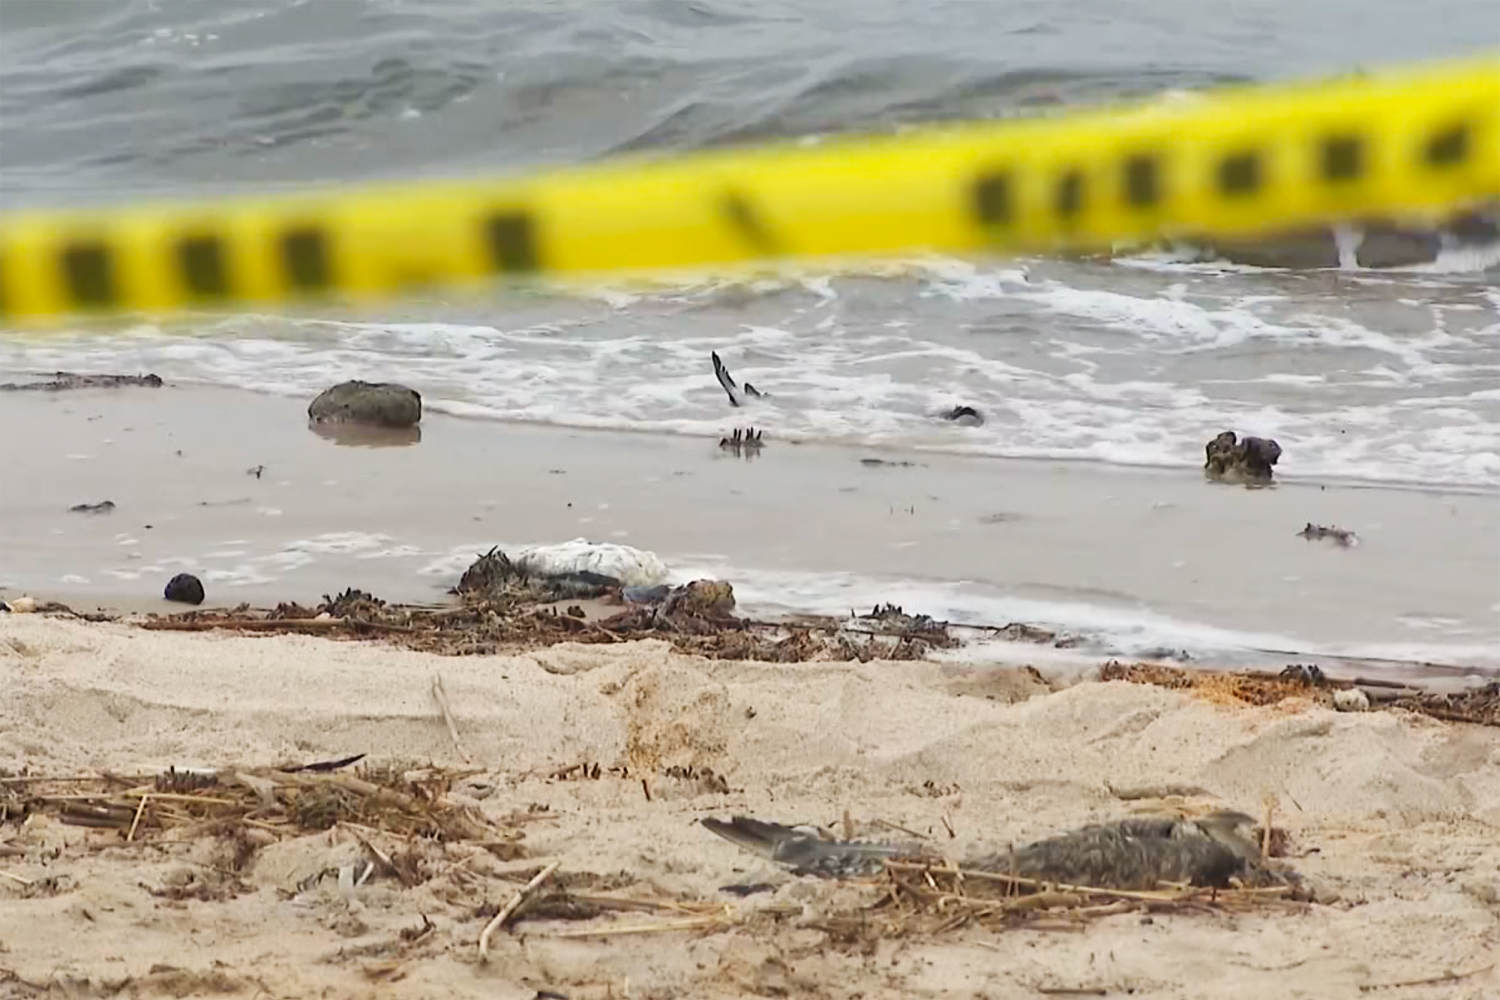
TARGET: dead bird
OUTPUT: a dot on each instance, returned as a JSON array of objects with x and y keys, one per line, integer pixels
[
  {"x": 1229, "y": 458},
  {"x": 730, "y": 388},
  {"x": 746, "y": 440},
  {"x": 1340, "y": 536},
  {"x": 1135, "y": 853}
]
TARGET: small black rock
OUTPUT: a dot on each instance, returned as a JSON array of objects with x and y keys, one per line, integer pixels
[{"x": 184, "y": 587}]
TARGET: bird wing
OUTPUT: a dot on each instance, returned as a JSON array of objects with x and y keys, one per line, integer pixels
[
  {"x": 722, "y": 374},
  {"x": 804, "y": 853}
]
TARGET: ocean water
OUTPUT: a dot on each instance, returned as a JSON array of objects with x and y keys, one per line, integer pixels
[{"x": 1388, "y": 377}]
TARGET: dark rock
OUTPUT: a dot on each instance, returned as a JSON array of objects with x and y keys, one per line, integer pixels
[
  {"x": 185, "y": 588},
  {"x": 384, "y": 404},
  {"x": 102, "y": 507},
  {"x": 964, "y": 416},
  {"x": 69, "y": 380},
  {"x": 1386, "y": 245},
  {"x": 1481, "y": 226},
  {"x": 1301, "y": 250},
  {"x": 1229, "y": 459}
]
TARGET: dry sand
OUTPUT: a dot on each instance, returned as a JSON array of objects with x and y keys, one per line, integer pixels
[{"x": 1397, "y": 815}]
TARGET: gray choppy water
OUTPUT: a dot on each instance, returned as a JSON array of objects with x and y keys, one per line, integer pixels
[{"x": 1379, "y": 376}]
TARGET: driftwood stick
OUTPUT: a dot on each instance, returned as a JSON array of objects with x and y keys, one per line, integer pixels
[
  {"x": 136, "y": 820},
  {"x": 509, "y": 909},
  {"x": 440, "y": 695},
  {"x": 20, "y": 880}
]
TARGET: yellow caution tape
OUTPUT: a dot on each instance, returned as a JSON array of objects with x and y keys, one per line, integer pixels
[{"x": 1232, "y": 163}]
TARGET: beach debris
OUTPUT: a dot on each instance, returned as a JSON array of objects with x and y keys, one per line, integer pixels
[
  {"x": 383, "y": 404},
  {"x": 727, "y": 382},
  {"x": 69, "y": 380},
  {"x": 963, "y": 415},
  {"x": 390, "y": 798},
  {"x": 1340, "y": 536},
  {"x": 1478, "y": 703},
  {"x": 495, "y": 576},
  {"x": 504, "y": 607},
  {"x": 102, "y": 507},
  {"x": 1306, "y": 673},
  {"x": 876, "y": 463},
  {"x": 622, "y": 563},
  {"x": 510, "y": 908},
  {"x": 19, "y": 605},
  {"x": 1351, "y": 700},
  {"x": 184, "y": 588},
  {"x": 1234, "y": 460},
  {"x": 1138, "y": 853},
  {"x": 699, "y": 607},
  {"x": 747, "y": 442}
]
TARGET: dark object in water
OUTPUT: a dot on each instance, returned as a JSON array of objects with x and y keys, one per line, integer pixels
[
  {"x": 1340, "y": 536},
  {"x": 1137, "y": 853},
  {"x": 722, "y": 374},
  {"x": 255, "y": 470},
  {"x": 382, "y": 404},
  {"x": 495, "y": 574},
  {"x": 184, "y": 588},
  {"x": 1230, "y": 459},
  {"x": 102, "y": 507},
  {"x": 68, "y": 380},
  {"x": 965, "y": 416},
  {"x": 747, "y": 440},
  {"x": 1307, "y": 673}
]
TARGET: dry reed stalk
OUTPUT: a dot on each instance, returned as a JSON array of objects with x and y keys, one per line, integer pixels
[{"x": 510, "y": 908}]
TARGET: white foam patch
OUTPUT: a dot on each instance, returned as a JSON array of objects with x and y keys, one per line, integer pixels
[{"x": 1140, "y": 370}]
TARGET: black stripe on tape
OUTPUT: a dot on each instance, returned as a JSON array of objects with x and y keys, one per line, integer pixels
[
  {"x": 1448, "y": 147},
  {"x": 304, "y": 259},
  {"x": 1239, "y": 174},
  {"x": 1343, "y": 157},
  {"x": 512, "y": 240},
  {"x": 1067, "y": 198},
  {"x": 201, "y": 261},
  {"x": 992, "y": 199},
  {"x": 88, "y": 272},
  {"x": 1142, "y": 181}
]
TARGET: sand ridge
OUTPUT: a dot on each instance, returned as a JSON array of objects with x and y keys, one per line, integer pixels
[{"x": 1395, "y": 815}]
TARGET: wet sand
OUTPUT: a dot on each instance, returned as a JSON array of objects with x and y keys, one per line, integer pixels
[{"x": 402, "y": 521}]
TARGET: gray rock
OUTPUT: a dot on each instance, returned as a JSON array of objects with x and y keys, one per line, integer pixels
[
  {"x": 384, "y": 404},
  {"x": 1300, "y": 250},
  {"x": 1385, "y": 245}
]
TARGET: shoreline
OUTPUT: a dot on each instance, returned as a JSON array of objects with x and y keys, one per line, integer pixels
[{"x": 1136, "y": 557}]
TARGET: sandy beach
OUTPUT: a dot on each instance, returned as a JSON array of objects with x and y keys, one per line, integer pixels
[
  {"x": 591, "y": 765},
  {"x": 1136, "y": 558},
  {"x": 1391, "y": 817}
]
